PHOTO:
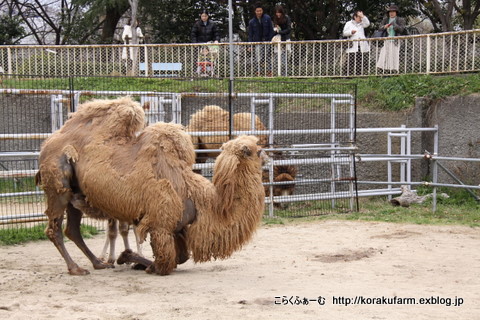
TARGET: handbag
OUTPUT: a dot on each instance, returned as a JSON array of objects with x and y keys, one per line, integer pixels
[{"x": 380, "y": 33}]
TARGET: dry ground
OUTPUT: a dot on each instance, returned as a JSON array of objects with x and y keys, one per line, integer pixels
[{"x": 328, "y": 259}]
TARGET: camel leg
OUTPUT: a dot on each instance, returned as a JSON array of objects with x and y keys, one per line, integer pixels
[
  {"x": 138, "y": 241},
  {"x": 72, "y": 231},
  {"x": 129, "y": 256},
  {"x": 124, "y": 228},
  {"x": 112, "y": 233},
  {"x": 181, "y": 246},
  {"x": 55, "y": 211},
  {"x": 163, "y": 247}
]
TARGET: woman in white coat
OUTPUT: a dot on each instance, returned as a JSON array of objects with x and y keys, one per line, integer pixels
[
  {"x": 127, "y": 37},
  {"x": 355, "y": 30}
]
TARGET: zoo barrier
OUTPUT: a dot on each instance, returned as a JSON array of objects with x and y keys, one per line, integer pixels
[
  {"x": 311, "y": 129},
  {"x": 447, "y": 52}
]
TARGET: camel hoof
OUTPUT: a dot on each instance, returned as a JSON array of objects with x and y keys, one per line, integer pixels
[
  {"x": 150, "y": 269},
  {"x": 154, "y": 270},
  {"x": 77, "y": 271},
  {"x": 183, "y": 258}
]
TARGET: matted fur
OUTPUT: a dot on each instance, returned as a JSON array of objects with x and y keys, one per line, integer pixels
[
  {"x": 144, "y": 180},
  {"x": 214, "y": 118},
  {"x": 237, "y": 179}
]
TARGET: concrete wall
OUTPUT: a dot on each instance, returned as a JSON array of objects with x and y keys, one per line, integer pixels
[{"x": 458, "y": 120}]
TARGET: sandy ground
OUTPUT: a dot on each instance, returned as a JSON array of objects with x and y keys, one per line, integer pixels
[{"x": 332, "y": 259}]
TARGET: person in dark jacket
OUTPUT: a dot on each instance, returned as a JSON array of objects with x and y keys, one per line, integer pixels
[
  {"x": 260, "y": 29},
  {"x": 205, "y": 30}
]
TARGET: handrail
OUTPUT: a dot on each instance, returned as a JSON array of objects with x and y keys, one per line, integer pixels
[{"x": 448, "y": 52}]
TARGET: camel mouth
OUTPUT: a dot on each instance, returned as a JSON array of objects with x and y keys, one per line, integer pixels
[{"x": 264, "y": 157}]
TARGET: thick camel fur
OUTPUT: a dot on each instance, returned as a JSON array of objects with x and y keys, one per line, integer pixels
[
  {"x": 116, "y": 120},
  {"x": 213, "y": 118},
  {"x": 147, "y": 180}
]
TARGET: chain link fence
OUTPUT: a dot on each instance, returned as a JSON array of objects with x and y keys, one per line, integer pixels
[
  {"x": 308, "y": 129},
  {"x": 416, "y": 54}
]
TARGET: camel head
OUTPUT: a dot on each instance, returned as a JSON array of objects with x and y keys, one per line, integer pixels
[
  {"x": 241, "y": 153},
  {"x": 239, "y": 201}
]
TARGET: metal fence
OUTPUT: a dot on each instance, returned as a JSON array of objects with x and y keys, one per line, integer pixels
[
  {"x": 309, "y": 127},
  {"x": 417, "y": 54}
]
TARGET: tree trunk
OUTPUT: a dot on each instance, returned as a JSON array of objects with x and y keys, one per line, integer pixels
[{"x": 112, "y": 16}]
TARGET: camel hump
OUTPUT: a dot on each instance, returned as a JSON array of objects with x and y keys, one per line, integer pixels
[
  {"x": 120, "y": 117},
  {"x": 169, "y": 138},
  {"x": 212, "y": 108},
  {"x": 210, "y": 118}
]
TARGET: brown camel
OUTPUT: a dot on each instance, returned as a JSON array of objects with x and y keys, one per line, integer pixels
[
  {"x": 95, "y": 160},
  {"x": 213, "y": 118}
]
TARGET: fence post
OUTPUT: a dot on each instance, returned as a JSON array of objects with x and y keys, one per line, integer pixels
[
  {"x": 9, "y": 60},
  {"x": 428, "y": 53},
  {"x": 279, "y": 58},
  {"x": 145, "y": 54}
]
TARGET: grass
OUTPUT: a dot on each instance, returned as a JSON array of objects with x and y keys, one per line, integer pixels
[
  {"x": 459, "y": 209},
  {"x": 35, "y": 233},
  {"x": 393, "y": 93}
]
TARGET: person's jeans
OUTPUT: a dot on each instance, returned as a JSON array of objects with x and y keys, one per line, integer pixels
[{"x": 263, "y": 58}]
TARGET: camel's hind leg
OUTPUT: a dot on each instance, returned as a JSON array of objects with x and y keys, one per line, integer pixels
[
  {"x": 55, "y": 212},
  {"x": 72, "y": 231}
]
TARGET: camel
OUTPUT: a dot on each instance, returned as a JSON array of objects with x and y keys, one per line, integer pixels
[
  {"x": 95, "y": 160},
  {"x": 214, "y": 118}
]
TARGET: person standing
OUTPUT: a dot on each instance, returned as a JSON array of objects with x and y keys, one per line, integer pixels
[
  {"x": 389, "y": 58},
  {"x": 127, "y": 38},
  {"x": 205, "y": 30},
  {"x": 283, "y": 28},
  {"x": 260, "y": 29},
  {"x": 355, "y": 30}
]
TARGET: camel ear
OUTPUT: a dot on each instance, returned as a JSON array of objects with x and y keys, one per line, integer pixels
[{"x": 246, "y": 151}]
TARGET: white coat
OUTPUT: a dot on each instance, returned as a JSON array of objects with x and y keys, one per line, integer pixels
[
  {"x": 127, "y": 35},
  {"x": 360, "y": 34}
]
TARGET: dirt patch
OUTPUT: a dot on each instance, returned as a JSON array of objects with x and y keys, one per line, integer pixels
[
  {"x": 282, "y": 274},
  {"x": 401, "y": 234},
  {"x": 346, "y": 256}
]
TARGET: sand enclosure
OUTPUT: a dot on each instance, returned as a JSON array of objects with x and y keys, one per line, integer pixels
[{"x": 352, "y": 264}]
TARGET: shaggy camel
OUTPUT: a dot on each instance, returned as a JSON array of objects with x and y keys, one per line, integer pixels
[
  {"x": 95, "y": 160},
  {"x": 214, "y": 118}
]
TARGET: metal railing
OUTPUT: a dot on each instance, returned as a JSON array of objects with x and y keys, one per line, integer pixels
[{"x": 451, "y": 52}]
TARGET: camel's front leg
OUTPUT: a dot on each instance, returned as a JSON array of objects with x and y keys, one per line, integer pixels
[
  {"x": 181, "y": 246},
  {"x": 163, "y": 246},
  {"x": 55, "y": 211},
  {"x": 72, "y": 231}
]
